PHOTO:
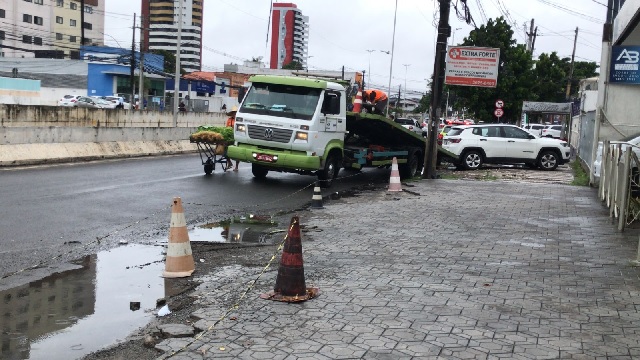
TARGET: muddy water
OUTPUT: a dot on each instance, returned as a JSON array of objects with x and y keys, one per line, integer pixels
[
  {"x": 244, "y": 229},
  {"x": 71, "y": 314}
]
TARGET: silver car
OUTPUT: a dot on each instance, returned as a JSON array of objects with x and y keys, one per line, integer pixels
[{"x": 92, "y": 103}]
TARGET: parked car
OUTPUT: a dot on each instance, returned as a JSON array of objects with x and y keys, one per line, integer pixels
[
  {"x": 535, "y": 129},
  {"x": 92, "y": 103},
  {"x": 504, "y": 144},
  {"x": 443, "y": 132},
  {"x": 119, "y": 101},
  {"x": 410, "y": 124},
  {"x": 554, "y": 131},
  {"x": 68, "y": 100},
  {"x": 105, "y": 104},
  {"x": 633, "y": 141}
]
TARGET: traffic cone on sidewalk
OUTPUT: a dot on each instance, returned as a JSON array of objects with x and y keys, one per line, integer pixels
[
  {"x": 394, "y": 181},
  {"x": 290, "y": 284},
  {"x": 316, "y": 200},
  {"x": 357, "y": 103},
  {"x": 179, "y": 262}
]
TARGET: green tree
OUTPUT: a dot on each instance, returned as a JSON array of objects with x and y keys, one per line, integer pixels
[
  {"x": 169, "y": 61},
  {"x": 515, "y": 78},
  {"x": 581, "y": 70},
  {"x": 293, "y": 65},
  {"x": 551, "y": 78}
]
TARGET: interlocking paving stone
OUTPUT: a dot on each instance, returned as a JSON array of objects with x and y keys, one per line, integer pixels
[{"x": 462, "y": 270}]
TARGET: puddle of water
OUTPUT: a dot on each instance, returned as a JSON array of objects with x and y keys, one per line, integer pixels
[
  {"x": 71, "y": 314},
  {"x": 244, "y": 229}
]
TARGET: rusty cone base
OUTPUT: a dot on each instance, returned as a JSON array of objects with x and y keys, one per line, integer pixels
[{"x": 290, "y": 284}]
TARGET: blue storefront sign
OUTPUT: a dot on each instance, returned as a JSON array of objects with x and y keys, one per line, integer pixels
[{"x": 625, "y": 65}]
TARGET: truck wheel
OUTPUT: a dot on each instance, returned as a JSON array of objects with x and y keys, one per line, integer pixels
[
  {"x": 412, "y": 167},
  {"x": 330, "y": 171},
  {"x": 472, "y": 160},
  {"x": 548, "y": 160},
  {"x": 259, "y": 171}
]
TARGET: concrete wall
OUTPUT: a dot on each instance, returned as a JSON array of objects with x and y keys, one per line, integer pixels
[
  {"x": 622, "y": 110},
  {"x": 43, "y": 116},
  {"x": 47, "y": 134}
]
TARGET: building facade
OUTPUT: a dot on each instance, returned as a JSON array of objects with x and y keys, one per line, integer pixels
[
  {"x": 49, "y": 28},
  {"x": 160, "y": 23},
  {"x": 289, "y": 36}
]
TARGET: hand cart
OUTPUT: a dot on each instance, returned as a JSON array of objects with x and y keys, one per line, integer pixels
[{"x": 212, "y": 154}]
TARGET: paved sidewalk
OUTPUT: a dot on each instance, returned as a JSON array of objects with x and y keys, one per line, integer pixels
[{"x": 452, "y": 270}]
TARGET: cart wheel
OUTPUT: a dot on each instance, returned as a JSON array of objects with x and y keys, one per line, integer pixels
[{"x": 208, "y": 167}]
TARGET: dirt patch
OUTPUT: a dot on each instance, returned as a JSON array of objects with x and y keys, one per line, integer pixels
[{"x": 562, "y": 175}]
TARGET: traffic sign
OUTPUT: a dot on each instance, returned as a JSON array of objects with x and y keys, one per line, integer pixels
[
  {"x": 499, "y": 104},
  {"x": 498, "y": 112}
]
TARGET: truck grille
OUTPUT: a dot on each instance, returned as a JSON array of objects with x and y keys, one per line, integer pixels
[{"x": 269, "y": 134}]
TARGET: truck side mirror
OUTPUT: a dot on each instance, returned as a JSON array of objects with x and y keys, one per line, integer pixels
[{"x": 331, "y": 103}]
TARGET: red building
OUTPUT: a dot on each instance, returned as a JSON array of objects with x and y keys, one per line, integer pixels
[{"x": 289, "y": 35}]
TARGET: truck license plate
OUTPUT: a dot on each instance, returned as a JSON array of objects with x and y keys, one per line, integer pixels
[{"x": 264, "y": 157}]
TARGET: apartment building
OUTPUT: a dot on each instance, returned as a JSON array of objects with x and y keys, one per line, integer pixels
[
  {"x": 289, "y": 36},
  {"x": 49, "y": 28},
  {"x": 160, "y": 23}
]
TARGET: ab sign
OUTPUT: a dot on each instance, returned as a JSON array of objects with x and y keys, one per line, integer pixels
[{"x": 625, "y": 65}]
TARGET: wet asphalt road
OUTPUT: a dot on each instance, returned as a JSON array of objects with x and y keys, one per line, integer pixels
[{"x": 54, "y": 214}]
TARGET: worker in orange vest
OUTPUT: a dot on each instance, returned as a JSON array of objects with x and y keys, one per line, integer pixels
[
  {"x": 376, "y": 101},
  {"x": 231, "y": 121}
]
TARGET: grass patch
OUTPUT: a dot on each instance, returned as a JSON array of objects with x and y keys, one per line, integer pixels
[
  {"x": 448, "y": 176},
  {"x": 580, "y": 177}
]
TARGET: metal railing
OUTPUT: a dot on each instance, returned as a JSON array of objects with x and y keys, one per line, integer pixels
[{"x": 619, "y": 186}]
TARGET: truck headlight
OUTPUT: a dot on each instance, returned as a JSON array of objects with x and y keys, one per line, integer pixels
[
  {"x": 241, "y": 128},
  {"x": 301, "y": 137}
]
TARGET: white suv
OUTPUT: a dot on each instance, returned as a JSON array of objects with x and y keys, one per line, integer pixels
[{"x": 503, "y": 144}]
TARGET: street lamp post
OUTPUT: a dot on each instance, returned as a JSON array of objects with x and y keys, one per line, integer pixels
[
  {"x": 369, "y": 81},
  {"x": 404, "y": 106},
  {"x": 393, "y": 44},
  {"x": 453, "y": 36}
]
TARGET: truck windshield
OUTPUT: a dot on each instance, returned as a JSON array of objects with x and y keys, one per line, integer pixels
[{"x": 281, "y": 100}]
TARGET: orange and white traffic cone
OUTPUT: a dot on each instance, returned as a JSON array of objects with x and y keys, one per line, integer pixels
[
  {"x": 179, "y": 262},
  {"x": 357, "y": 103},
  {"x": 394, "y": 181},
  {"x": 290, "y": 283}
]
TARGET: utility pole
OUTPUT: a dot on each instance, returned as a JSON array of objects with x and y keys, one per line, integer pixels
[
  {"x": 393, "y": 44},
  {"x": 533, "y": 43},
  {"x": 141, "y": 64},
  {"x": 431, "y": 148},
  {"x": 530, "y": 35},
  {"x": 133, "y": 65},
  {"x": 398, "y": 100},
  {"x": 176, "y": 80},
  {"x": 82, "y": 23},
  {"x": 573, "y": 55}
]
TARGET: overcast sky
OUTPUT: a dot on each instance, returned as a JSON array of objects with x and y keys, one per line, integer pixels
[{"x": 341, "y": 32}]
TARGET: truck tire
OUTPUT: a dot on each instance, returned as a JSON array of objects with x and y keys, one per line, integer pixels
[
  {"x": 259, "y": 171},
  {"x": 330, "y": 171},
  {"x": 548, "y": 160},
  {"x": 413, "y": 166}
]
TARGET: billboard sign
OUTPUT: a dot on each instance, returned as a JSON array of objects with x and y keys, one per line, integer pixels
[
  {"x": 625, "y": 65},
  {"x": 472, "y": 66}
]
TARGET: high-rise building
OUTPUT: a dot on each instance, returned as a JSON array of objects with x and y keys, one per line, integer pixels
[
  {"x": 49, "y": 28},
  {"x": 160, "y": 24},
  {"x": 289, "y": 36}
]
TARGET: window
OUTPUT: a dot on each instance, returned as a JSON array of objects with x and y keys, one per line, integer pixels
[
  {"x": 88, "y": 9},
  {"x": 1, "y": 35},
  {"x": 72, "y": 38},
  {"x": 58, "y": 36},
  {"x": 37, "y": 40},
  {"x": 60, "y": 3},
  {"x": 26, "y": 39},
  {"x": 72, "y": 22},
  {"x": 37, "y": 20},
  {"x": 2, "y": 13},
  {"x": 39, "y": 2},
  {"x": 87, "y": 41},
  {"x": 27, "y": 0},
  {"x": 59, "y": 20},
  {"x": 486, "y": 131},
  {"x": 27, "y": 18},
  {"x": 73, "y": 6},
  {"x": 87, "y": 26},
  {"x": 515, "y": 133}
]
